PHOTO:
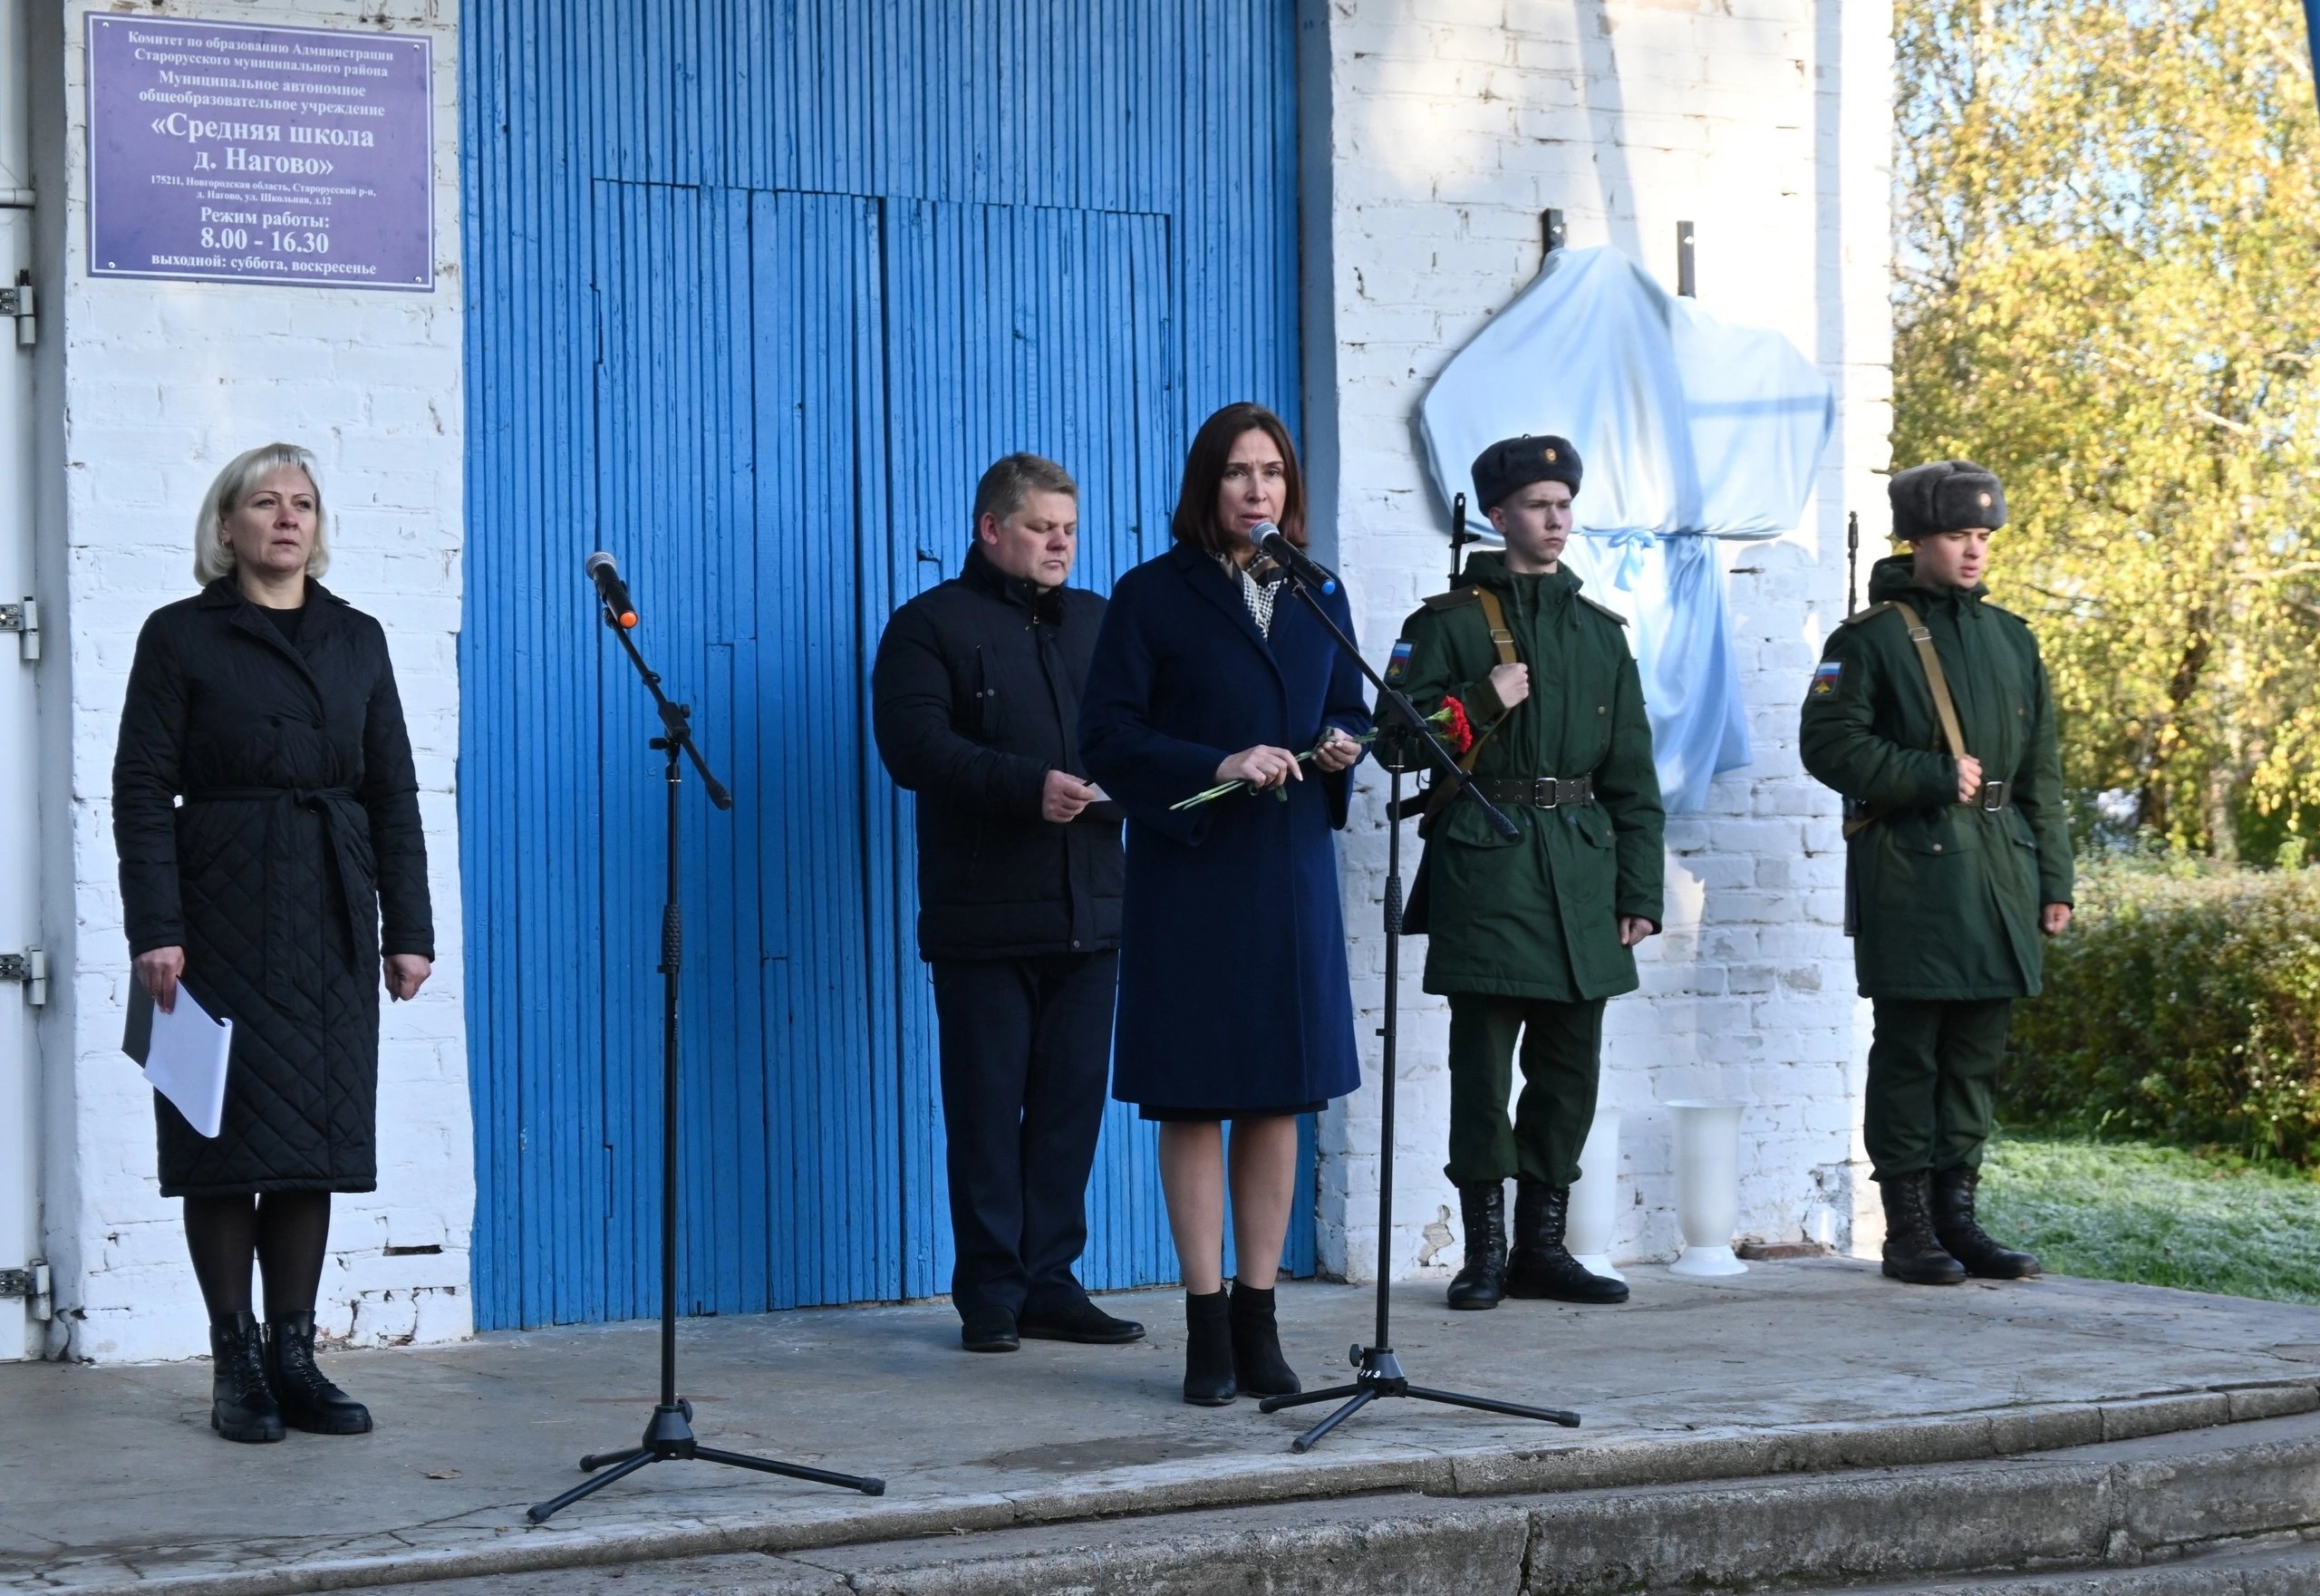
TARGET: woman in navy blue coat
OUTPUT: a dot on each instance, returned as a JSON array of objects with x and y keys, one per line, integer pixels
[{"x": 1234, "y": 997}]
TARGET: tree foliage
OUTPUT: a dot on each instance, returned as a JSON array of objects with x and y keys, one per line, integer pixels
[{"x": 2108, "y": 263}]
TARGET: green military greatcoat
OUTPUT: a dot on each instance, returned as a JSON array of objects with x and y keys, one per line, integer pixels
[
  {"x": 1947, "y": 896},
  {"x": 1536, "y": 915}
]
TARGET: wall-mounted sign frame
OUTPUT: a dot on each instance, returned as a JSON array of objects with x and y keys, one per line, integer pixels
[{"x": 243, "y": 154}]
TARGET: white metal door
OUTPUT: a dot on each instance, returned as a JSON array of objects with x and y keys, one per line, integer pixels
[{"x": 21, "y": 1334}]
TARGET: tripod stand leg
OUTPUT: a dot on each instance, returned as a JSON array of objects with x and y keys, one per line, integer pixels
[
  {"x": 1304, "y": 1398},
  {"x": 796, "y": 1471},
  {"x": 1361, "y": 1399},
  {"x": 541, "y": 1512},
  {"x": 596, "y": 1460},
  {"x": 1512, "y": 1409}
]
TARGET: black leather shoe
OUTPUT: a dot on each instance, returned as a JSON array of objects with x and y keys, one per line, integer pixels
[
  {"x": 1080, "y": 1321},
  {"x": 1208, "y": 1351},
  {"x": 1541, "y": 1266},
  {"x": 1258, "y": 1366},
  {"x": 241, "y": 1405},
  {"x": 989, "y": 1329},
  {"x": 309, "y": 1401},
  {"x": 1962, "y": 1236},
  {"x": 1481, "y": 1281},
  {"x": 1914, "y": 1255}
]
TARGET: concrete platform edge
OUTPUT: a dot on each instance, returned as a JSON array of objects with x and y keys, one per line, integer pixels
[{"x": 1707, "y": 1455}]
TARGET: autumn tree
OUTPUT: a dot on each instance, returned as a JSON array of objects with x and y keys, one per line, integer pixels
[{"x": 2108, "y": 217}]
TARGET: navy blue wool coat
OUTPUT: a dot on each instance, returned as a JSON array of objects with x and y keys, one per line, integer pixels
[{"x": 1233, "y": 993}]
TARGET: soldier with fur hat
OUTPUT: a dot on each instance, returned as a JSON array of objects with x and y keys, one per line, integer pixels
[
  {"x": 1531, "y": 935},
  {"x": 1930, "y": 712}
]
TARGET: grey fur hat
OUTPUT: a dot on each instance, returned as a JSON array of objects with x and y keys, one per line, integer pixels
[
  {"x": 1514, "y": 463},
  {"x": 1944, "y": 496}
]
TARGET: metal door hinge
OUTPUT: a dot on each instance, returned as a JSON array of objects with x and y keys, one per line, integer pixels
[
  {"x": 30, "y": 1282},
  {"x": 21, "y": 302},
  {"x": 22, "y": 619},
  {"x": 30, "y": 967}
]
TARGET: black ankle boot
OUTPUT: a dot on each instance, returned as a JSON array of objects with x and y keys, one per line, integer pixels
[
  {"x": 1541, "y": 1265},
  {"x": 1481, "y": 1281},
  {"x": 1208, "y": 1351},
  {"x": 1913, "y": 1254},
  {"x": 241, "y": 1407},
  {"x": 1258, "y": 1366},
  {"x": 309, "y": 1401},
  {"x": 1962, "y": 1235}
]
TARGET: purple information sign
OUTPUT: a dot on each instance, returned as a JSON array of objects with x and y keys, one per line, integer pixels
[{"x": 230, "y": 152}]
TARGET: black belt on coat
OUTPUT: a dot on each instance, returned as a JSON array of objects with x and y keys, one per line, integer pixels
[
  {"x": 1545, "y": 792},
  {"x": 1992, "y": 796},
  {"x": 344, "y": 820}
]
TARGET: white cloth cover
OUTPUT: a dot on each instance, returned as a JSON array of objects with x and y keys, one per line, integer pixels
[{"x": 1688, "y": 428}]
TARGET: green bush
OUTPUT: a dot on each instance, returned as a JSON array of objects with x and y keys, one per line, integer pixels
[{"x": 2181, "y": 1007}]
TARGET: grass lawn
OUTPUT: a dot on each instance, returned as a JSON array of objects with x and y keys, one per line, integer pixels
[{"x": 2155, "y": 1215}]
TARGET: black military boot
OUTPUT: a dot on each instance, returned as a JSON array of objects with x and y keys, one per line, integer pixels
[
  {"x": 1481, "y": 1281},
  {"x": 309, "y": 1401},
  {"x": 1913, "y": 1254},
  {"x": 1963, "y": 1236},
  {"x": 1258, "y": 1366},
  {"x": 1541, "y": 1265},
  {"x": 1208, "y": 1351},
  {"x": 241, "y": 1407}
]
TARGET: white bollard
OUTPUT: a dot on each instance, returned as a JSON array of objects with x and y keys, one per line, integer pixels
[
  {"x": 1595, "y": 1197},
  {"x": 1707, "y": 1184}
]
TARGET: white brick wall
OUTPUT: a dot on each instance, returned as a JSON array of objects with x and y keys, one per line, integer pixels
[
  {"x": 1450, "y": 125},
  {"x": 162, "y": 384}
]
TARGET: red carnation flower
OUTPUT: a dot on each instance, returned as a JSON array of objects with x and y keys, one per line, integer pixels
[{"x": 1456, "y": 729}]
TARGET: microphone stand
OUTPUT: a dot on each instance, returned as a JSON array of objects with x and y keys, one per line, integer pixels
[
  {"x": 668, "y": 1436},
  {"x": 1379, "y": 1373}
]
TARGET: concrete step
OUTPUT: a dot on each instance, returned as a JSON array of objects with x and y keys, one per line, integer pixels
[
  {"x": 2099, "y": 1515},
  {"x": 2265, "y": 1568}
]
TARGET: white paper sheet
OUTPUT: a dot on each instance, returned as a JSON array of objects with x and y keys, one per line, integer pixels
[{"x": 184, "y": 1052}]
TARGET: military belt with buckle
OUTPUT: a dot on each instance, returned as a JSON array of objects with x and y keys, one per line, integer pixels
[
  {"x": 1545, "y": 792},
  {"x": 1995, "y": 796}
]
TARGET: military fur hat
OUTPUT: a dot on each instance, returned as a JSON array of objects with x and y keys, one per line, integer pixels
[
  {"x": 1944, "y": 496},
  {"x": 1514, "y": 463}
]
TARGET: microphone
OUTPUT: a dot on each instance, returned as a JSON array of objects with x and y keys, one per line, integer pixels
[
  {"x": 1271, "y": 540},
  {"x": 611, "y": 589}
]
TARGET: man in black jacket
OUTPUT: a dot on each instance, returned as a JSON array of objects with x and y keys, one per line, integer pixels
[{"x": 976, "y": 696}]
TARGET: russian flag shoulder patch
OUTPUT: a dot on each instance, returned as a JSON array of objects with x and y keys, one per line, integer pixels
[{"x": 1825, "y": 677}]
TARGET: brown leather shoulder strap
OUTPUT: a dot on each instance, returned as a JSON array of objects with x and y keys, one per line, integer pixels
[
  {"x": 1494, "y": 617},
  {"x": 1502, "y": 640},
  {"x": 1945, "y": 708},
  {"x": 1938, "y": 684}
]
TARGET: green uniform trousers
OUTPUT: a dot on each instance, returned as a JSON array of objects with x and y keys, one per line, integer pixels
[
  {"x": 1933, "y": 1069},
  {"x": 1562, "y": 1052}
]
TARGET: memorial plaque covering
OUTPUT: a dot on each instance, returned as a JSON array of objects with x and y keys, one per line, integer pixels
[{"x": 232, "y": 152}]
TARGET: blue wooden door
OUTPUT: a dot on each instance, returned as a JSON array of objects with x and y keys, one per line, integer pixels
[
  {"x": 738, "y": 452},
  {"x": 756, "y": 326},
  {"x": 1043, "y": 329}
]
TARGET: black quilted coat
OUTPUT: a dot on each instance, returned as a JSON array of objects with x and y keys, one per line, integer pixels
[{"x": 298, "y": 832}]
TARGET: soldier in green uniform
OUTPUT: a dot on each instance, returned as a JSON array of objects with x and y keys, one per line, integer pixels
[
  {"x": 1930, "y": 712},
  {"x": 1530, "y": 934}
]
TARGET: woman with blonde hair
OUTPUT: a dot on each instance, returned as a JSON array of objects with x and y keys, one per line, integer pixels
[{"x": 266, "y": 813}]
